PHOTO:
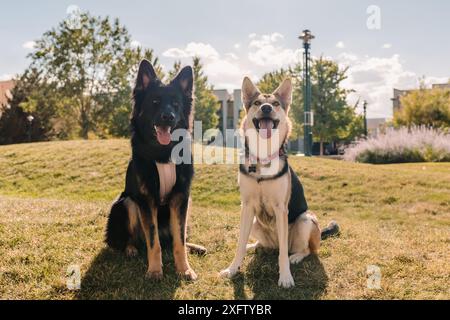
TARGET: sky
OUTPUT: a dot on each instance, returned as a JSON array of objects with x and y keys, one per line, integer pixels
[{"x": 385, "y": 44}]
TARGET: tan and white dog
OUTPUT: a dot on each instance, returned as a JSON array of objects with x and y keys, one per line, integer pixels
[{"x": 274, "y": 208}]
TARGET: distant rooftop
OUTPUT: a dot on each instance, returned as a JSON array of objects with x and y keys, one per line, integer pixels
[
  {"x": 225, "y": 95},
  {"x": 5, "y": 92}
]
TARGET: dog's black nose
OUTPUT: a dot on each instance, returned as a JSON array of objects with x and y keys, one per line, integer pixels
[
  {"x": 266, "y": 109},
  {"x": 168, "y": 116}
]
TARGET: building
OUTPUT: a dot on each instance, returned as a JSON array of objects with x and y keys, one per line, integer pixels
[
  {"x": 400, "y": 93},
  {"x": 5, "y": 93},
  {"x": 375, "y": 126},
  {"x": 230, "y": 106},
  {"x": 441, "y": 86}
]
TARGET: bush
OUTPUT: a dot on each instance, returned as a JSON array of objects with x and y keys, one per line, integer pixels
[{"x": 418, "y": 144}]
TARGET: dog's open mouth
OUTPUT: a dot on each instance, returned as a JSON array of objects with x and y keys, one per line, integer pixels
[
  {"x": 163, "y": 135},
  {"x": 265, "y": 126}
]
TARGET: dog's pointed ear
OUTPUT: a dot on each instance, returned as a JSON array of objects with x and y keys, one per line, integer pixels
[
  {"x": 249, "y": 92},
  {"x": 185, "y": 81},
  {"x": 146, "y": 75},
  {"x": 284, "y": 93}
]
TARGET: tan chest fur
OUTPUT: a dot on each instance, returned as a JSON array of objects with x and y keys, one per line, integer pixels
[{"x": 265, "y": 197}]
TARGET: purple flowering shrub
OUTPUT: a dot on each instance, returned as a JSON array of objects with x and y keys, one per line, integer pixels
[{"x": 418, "y": 144}]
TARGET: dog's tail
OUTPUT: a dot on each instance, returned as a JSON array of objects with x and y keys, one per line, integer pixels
[
  {"x": 330, "y": 231},
  {"x": 117, "y": 234}
]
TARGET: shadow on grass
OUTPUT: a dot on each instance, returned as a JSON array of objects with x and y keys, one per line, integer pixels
[
  {"x": 114, "y": 276},
  {"x": 261, "y": 276}
]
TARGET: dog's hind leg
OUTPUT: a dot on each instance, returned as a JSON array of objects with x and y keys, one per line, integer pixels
[
  {"x": 304, "y": 238},
  {"x": 262, "y": 237},
  {"x": 133, "y": 227},
  {"x": 117, "y": 232}
]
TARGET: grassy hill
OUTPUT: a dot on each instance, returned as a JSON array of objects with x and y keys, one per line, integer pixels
[{"x": 55, "y": 197}]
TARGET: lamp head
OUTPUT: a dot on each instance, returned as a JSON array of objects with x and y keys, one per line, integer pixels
[{"x": 306, "y": 36}]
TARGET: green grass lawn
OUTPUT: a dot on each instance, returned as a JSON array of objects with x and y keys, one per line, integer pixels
[{"x": 55, "y": 197}]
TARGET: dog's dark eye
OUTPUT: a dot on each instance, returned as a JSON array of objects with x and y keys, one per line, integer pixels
[
  {"x": 156, "y": 101},
  {"x": 276, "y": 104},
  {"x": 176, "y": 104},
  {"x": 257, "y": 103}
]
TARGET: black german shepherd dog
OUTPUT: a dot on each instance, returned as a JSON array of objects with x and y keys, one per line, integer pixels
[{"x": 154, "y": 205}]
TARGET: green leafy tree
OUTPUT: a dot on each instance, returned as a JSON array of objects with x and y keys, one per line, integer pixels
[
  {"x": 334, "y": 119},
  {"x": 175, "y": 69},
  {"x": 206, "y": 103},
  {"x": 93, "y": 66},
  {"x": 31, "y": 90},
  {"x": 114, "y": 117},
  {"x": 424, "y": 107}
]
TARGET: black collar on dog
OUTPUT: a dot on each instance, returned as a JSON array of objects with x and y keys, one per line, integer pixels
[{"x": 252, "y": 168}]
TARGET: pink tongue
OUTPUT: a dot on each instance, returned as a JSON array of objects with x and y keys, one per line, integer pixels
[
  {"x": 265, "y": 128},
  {"x": 163, "y": 135}
]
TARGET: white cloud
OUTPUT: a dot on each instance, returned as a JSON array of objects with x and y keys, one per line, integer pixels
[
  {"x": 135, "y": 44},
  {"x": 198, "y": 49},
  {"x": 224, "y": 72},
  {"x": 29, "y": 45},
  {"x": 387, "y": 46},
  {"x": 221, "y": 68},
  {"x": 266, "y": 50},
  {"x": 374, "y": 79},
  {"x": 175, "y": 53},
  {"x": 340, "y": 45},
  {"x": 237, "y": 46},
  {"x": 232, "y": 56}
]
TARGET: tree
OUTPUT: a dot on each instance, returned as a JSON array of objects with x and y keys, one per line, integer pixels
[
  {"x": 114, "y": 118},
  {"x": 333, "y": 118},
  {"x": 93, "y": 66},
  {"x": 175, "y": 69},
  {"x": 30, "y": 89},
  {"x": 206, "y": 103},
  {"x": 424, "y": 107}
]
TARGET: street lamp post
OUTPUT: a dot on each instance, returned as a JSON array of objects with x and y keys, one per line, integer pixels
[
  {"x": 306, "y": 37},
  {"x": 366, "y": 133},
  {"x": 30, "y": 119}
]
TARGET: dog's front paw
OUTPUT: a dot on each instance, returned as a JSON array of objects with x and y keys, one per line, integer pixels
[
  {"x": 286, "y": 281},
  {"x": 154, "y": 275},
  {"x": 188, "y": 275},
  {"x": 229, "y": 272}
]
